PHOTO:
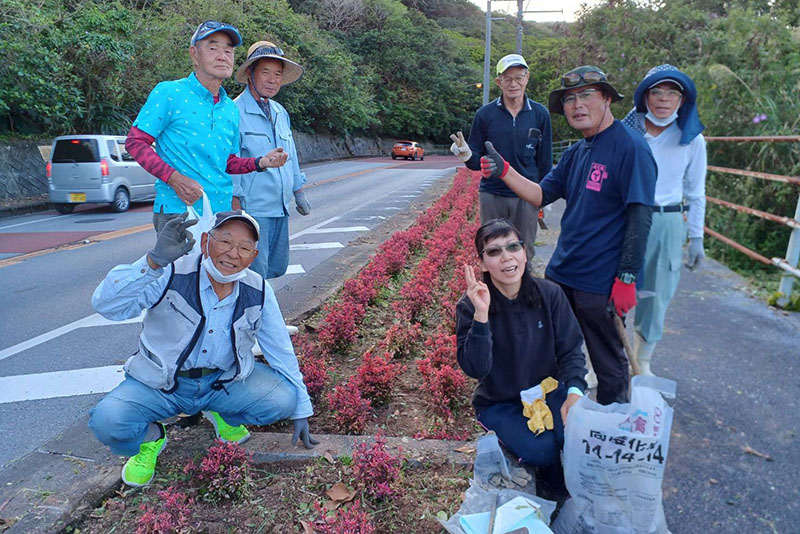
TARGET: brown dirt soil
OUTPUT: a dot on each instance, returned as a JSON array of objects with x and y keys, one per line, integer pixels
[{"x": 282, "y": 495}]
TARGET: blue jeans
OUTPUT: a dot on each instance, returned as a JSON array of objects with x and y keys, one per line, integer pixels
[
  {"x": 121, "y": 419},
  {"x": 273, "y": 247},
  {"x": 511, "y": 427}
]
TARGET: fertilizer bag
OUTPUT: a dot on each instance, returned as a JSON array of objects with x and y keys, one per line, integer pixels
[{"x": 614, "y": 458}]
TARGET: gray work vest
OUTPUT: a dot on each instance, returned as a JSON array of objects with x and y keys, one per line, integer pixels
[{"x": 172, "y": 326}]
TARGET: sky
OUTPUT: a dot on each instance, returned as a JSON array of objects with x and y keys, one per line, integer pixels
[{"x": 569, "y": 7}]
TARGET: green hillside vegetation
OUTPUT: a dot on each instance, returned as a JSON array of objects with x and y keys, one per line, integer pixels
[{"x": 408, "y": 68}]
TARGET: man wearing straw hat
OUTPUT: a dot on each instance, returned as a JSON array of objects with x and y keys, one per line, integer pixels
[{"x": 264, "y": 128}]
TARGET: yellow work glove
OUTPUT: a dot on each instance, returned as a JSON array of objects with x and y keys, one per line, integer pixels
[
  {"x": 535, "y": 408},
  {"x": 460, "y": 148}
]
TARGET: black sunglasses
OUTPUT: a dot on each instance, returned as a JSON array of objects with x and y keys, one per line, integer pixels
[
  {"x": 268, "y": 51},
  {"x": 496, "y": 250},
  {"x": 574, "y": 78}
]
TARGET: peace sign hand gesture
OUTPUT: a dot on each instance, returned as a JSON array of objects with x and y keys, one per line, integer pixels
[{"x": 478, "y": 294}]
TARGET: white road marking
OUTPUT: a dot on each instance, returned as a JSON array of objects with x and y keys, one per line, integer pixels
[
  {"x": 60, "y": 384},
  {"x": 370, "y": 218},
  {"x": 342, "y": 229},
  {"x": 315, "y": 246},
  {"x": 93, "y": 320},
  {"x": 35, "y": 221},
  {"x": 295, "y": 269},
  {"x": 311, "y": 229},
  {"x": 390, "y": 208}
]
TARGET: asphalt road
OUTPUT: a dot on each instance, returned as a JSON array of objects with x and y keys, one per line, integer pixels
[{"x": 57, "y": 357}]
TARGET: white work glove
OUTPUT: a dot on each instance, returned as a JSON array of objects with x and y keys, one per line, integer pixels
[
  {"x": 460, "y": 148},
  {"x": 303, "y": 205},
  {"x": 696, "y": 252}
]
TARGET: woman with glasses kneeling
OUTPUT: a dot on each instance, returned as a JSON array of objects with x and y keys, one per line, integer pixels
[{"x": 516, "y": 332}]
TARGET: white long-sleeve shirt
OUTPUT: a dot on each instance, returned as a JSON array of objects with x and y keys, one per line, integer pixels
[{"x": 681, "y": 174}]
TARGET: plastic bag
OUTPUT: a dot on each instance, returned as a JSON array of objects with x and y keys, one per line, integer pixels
[
  {"x": 477, "y": 500},
  {"x": 489, "y": 460},
  {"x": 614, "y": 459},
  {"x": 204, "y": 223}
]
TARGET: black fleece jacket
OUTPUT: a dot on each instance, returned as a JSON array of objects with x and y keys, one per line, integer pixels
[{"x": 520, "y": 346}]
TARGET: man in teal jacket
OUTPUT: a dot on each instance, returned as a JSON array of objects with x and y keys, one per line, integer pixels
[{"x": 264, "y": 126}]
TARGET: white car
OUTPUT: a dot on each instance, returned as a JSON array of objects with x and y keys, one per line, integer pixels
[{"x": 95, "y": 168}]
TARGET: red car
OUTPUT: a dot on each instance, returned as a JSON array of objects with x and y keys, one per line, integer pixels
[{"x": 408, "y": 150}]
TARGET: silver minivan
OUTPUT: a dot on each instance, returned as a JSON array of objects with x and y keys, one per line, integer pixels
[{"x": 95, "y": 168}]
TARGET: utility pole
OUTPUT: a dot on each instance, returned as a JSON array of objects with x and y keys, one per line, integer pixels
[
  {"x": 519, "y": 27},
  {"x": 487, "y": 59}
]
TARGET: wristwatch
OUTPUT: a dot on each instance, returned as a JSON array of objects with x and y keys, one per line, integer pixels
[
  {"x": 258, "y": 164},
  {"x": 627, "y": 278}
]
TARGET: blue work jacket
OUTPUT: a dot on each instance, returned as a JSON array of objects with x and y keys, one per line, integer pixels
[{"x": 267, "y": 193}]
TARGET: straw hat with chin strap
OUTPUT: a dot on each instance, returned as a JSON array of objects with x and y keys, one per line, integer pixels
[{"x": 267, "y": 50}]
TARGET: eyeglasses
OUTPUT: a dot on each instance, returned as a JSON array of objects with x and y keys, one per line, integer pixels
[
  {"x": 583, "y": 96},
  {"x": 520, "y": 79},
  {"x": 672, "y": 94},
  {"x": 496, "y": 250},
  {"x": 574, "y": 78},
  {"x": 225, "y": 245}
]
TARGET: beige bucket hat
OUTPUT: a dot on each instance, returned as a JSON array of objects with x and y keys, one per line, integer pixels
[{"x": 267, "y": 50}]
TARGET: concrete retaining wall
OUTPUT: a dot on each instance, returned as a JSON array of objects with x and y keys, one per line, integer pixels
[{"x": 22, "y": 163}]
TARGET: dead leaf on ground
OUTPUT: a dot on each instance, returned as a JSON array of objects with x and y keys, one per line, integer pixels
[
  {"x": 340, "y": 493},
  {"x": 466, "y": 449},
  {"x": 713, "y": 481},
  {"x": 750, "y": 450},
  {"x": 307, "y": 528},
  {"x": 328, "y": 456}
]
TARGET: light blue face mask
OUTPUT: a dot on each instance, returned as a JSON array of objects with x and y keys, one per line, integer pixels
[
  {"x": 213, "y": 272},
  {"x": 663, "y": 122}
]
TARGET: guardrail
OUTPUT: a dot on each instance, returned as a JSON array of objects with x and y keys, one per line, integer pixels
[
  {"x": 788, "y": 264},
  {"x": 560, "y": 146}
]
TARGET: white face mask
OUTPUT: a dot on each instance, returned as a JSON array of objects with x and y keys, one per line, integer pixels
[
  {"x": 213, "y": 272},
  {"x": 662, "y": 122}
]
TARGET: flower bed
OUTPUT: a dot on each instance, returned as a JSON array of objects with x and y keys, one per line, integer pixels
[{"x": 381, "y": 356}]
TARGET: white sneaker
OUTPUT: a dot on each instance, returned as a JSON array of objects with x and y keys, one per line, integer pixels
[{"x": 291, "y": 329}]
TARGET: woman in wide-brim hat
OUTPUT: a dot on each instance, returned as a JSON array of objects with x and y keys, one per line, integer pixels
[{"x": 267, "y": 50}]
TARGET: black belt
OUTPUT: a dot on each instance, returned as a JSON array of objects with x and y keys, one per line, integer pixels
[
  {"x": 671, "y": 209},
  {"x": 197, "y": 372}
]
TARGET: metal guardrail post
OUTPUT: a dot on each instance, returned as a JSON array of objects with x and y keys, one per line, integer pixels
[{"x": 792, "y": 257}]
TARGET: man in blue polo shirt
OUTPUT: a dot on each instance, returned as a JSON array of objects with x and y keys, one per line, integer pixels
[
  {"x": 520, "y": 130},
  {"x": 608, "y": 181},
  {"x": 195, "y": 127}
]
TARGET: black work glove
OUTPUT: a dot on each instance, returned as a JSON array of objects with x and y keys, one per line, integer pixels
[{"x": 174, "y": 240}]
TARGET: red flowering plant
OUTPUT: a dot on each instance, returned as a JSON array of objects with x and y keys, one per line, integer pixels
[
  {"x": 376, "y": 469},
  {"x": 376, "y": 376},
  {"x": 401, "y": 338},
  {"x": 223, "y": 474},
  {"x": 350, "y": 409},
  {"x": 313, "y": 365},
  {"x": 341, "y": 325},
  {"x": 352, "y": 519},
  {"x": 171, "y": 515}
]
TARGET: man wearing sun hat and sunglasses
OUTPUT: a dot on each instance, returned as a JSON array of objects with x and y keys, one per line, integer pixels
[
  {"x": 264, "y": 128},
  {"x": 195, "y": 128},
  {"x": 608, "y": 181},
  {"x": 520, "y": 130}
]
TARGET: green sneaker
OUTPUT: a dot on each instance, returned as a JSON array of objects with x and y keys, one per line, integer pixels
[
  {"x": 226, "y": 432},
  {"x": 140, "y": 469}
]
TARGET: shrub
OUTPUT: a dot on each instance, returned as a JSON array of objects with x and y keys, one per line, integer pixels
[
  {"x": 376, "y": 376},
  {"x": 350, "y": 409},
  {"x": 172, "y": 515},
  {"x": 350, "y": 520},
  {"x": 376, "y": 469},
  {"x": 224, "y": 473}
]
